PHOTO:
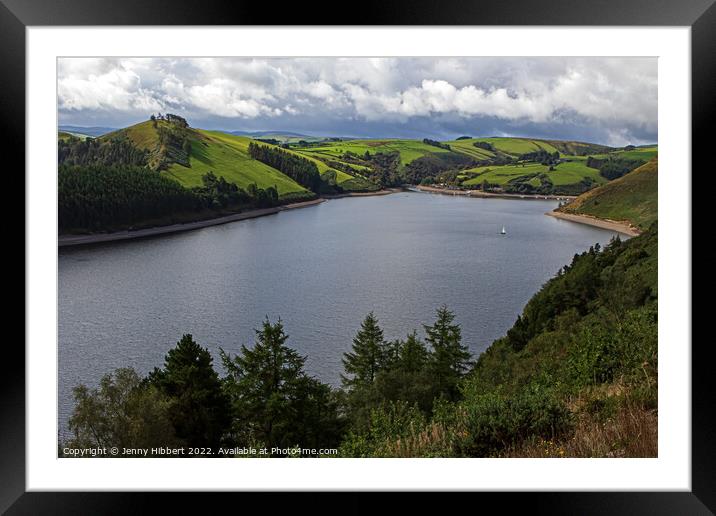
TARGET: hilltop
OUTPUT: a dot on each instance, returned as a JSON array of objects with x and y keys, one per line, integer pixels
[
  {"x": 186, "y": 154},
  {"x": 632, "y": 198}
]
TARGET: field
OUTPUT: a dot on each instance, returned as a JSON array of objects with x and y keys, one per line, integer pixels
[
  {"x": 642, "y": 153},
  {"x": 632, "y": 198},
  {"x": 516, "y": 146},
  {"x": 566, "y": 173},
  {"x": 409, "y": 149},
  {"x": 467, "y": 147}
]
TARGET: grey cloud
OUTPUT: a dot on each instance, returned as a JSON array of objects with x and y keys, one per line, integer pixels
[{"x": 610, "y": 100}]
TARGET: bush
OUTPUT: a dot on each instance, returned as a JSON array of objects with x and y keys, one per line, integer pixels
[{"x": 494, "y": 422}]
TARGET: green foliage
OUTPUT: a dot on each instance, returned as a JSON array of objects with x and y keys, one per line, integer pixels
[
  {"x": 614, "y": 166},
  {"x": 450, "y": 359},
  {"x": 96, "y": 197},
  {"x": 626, "y": 347},
  {"x": 121, "y": 412},
  {"x": 492, "y": 421},
  {"x": 301, "y": 170},
  {"x": 367, "y": 356},
  {"x": 93, "y": 151},
  {"x": 434, "y": 143},
  {"x": 274, "y": 402},
  {"x": 200, "y": 410},
  {"x": 387, "y": 422}
]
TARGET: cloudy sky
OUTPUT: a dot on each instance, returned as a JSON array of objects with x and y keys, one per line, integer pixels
[{"x": 603, "y": 100}]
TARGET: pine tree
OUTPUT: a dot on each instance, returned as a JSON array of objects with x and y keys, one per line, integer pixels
[
  {"x": 274, "y": 402},
  {"x": 412, "y": 355},
  {"x": 199, "y": 410},
  {"x": 367, "y": 356},
  {"x": 450, "y": 360}
]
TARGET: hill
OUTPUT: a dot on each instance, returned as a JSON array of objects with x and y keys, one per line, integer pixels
[
  {"x": 86, "y": 131},
  {"x": 224, "y": 154},
  {"x": 632, "y": 198},
  {"x": 502, "y": 164}
]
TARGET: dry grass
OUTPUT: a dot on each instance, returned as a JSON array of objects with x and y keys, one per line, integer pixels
[
  {"x": 631, "y": 432},
  {"x": 433, "y": 441}
]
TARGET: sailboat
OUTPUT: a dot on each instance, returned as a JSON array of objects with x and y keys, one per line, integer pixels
[{"x": 503, "y": 232}]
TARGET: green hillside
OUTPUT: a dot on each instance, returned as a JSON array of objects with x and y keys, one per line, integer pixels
[
  {"x": 224, "y": 155},
  {"x": 632, "y": 198},
  {"x": 563, "y": 174},
  {"x": 409, "y": 150}
]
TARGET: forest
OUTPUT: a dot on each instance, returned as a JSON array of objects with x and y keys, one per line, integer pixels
[
  {"x": 576, "y": 376},
  {"x": 101, "y": 197},
  {"x": 301, "y": 170}
]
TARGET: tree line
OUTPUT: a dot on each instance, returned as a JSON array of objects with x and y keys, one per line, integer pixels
[
  {"x": 92, "y": 151},
  {"x": 265, "y": 398},
  {"x": 301, "y": 170},
  {"x": 104, "y": 197},
  {"x": 613, "y": 167}
]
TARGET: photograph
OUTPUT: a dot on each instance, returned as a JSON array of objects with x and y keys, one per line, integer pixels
[{"x": 357, "y": 257}]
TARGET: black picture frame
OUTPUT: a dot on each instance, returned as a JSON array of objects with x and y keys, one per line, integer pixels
[{"x": 700, "y": 15}]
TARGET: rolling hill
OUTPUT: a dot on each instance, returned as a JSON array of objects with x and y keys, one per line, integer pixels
[
  {"x": 632, "y": 198},
  {"x": 226, "y": 155},
  {"x": 502, "y": 164}
]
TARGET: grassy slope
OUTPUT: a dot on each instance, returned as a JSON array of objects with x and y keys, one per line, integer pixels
[
  {"x": 409, "y": 149},
  {"x": 632, "y": 198},
  {"x": 223, "y": 154},
  {"x": 564, "y": 173}
]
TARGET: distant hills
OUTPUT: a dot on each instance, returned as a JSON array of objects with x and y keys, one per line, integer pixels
[
  {"x": 301, "y": 167},
  {"x": 86, "y": 131}
]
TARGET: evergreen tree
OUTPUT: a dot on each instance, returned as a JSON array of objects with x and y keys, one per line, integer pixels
[
  {"x": 368, "y": 355},
  {"x": 200, "y": 411},
  {"x": 274, "y": 402},
  {"x": 412, "y": 356},
  {"x": 450, "y": 360}
]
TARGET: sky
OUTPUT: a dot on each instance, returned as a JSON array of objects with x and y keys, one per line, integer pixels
[{"x": 605, "y": 100}]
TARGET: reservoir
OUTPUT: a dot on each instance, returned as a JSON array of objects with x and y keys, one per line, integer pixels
[{"x": 320, "y": 269}]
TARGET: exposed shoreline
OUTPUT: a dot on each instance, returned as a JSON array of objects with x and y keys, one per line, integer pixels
[
  {"x": 97, "y": 238},
  {"x": 480, "y": 193},
  {"x": 385, "y": 191},
  {"x": 613, "y": 225}
]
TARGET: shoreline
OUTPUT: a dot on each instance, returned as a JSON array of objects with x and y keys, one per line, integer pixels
[
  {"x": 384, "y": 191},
  {"x": 97, "y": 238},
  {"x": 613, "y": 225},
  {"x": 480, "y": 193}
]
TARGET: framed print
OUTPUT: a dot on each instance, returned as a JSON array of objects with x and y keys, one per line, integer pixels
[{"x": 414, "y": 253}]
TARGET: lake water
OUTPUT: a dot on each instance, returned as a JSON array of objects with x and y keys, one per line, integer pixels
[{"x": 321, "y": 269}]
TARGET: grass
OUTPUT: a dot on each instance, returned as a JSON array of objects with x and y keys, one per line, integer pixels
[
  {"x": 409, "y": 150},
  {"x": 227, "y": 156},
  {"x": 142, "y": 135},
  {"x": 66, "y": 136},
  {"x": 516, "y": 146},
  {"x": 566, "y": 173},
  {"x": 632, "y": 198},
  {"x": 466, "y": 147},
  {"x": 631, "y": 432}
]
